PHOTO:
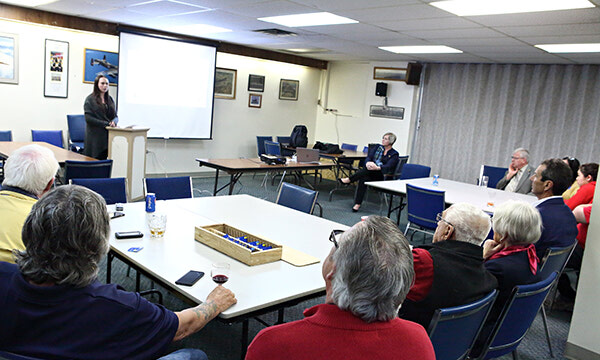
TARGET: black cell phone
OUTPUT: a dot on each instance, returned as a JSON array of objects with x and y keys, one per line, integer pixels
[
  {"x": 128, "y": 234},
  {"x": 116, "y": 214},
  {"x": 190, "y": 278}
]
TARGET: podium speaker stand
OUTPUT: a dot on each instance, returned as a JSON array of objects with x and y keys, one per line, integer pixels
[{"x": 127, "y": 149}]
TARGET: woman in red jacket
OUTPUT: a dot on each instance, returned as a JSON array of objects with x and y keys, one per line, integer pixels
[{"x": 586, "y": 178}]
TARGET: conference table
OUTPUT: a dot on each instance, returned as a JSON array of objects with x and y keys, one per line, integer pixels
[
  {"x": 238, "y": 167},
  {"x": 62, "y": 155},
  {"x": 259, "y": 289}
]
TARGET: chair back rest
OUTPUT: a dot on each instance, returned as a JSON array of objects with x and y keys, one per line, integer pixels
[
  {"x": 413, "y": 171},
  {"x": 493, "y": 173},
  {"x": 76, "y": 124},
  {"x": 297, "y": 197},
  {"x": 366, "y": 149},
  {"x": 402, "y": 160},
  {"x": 53, "y": 137},
  {"x": 349, "y": 147},
  {"x": 453, "y": 330},
  {"x": 272, "y": 148},
  {"x": 423, "y": 205},
  {"x": 516, "y": 317},
  {"x": 87, "y": 169},
  {"x": 260, "y": 143},
  {"x": 169, "y": 188},
  {"x": 112, "y": 190},
  {"x": 555, "y": 259},
  {"x": 6, "y": 135},
  {"x": 284, "y": 140}
]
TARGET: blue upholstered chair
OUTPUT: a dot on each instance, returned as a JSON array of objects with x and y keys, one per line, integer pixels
[
  {"x": 516, "y": 318},
  {"x": 406, "y": 171},
  {"x": 6, "y": 135},
  {"x": 453, "y": 330},
  {"x": 414, "y": 171},
  {"x": 76, "y": 125},
  {"x": 272, "y": 148},
  {"x": 169, "y": 188},
  {"x": 87, "y": 169},
  {"x": 297, "y": 198},
  {"x": 260, "y": 143},
  {"x": 351, "y": 147},
  {"x": 53, "y": 137},
  {"x": 112, "y": 190},
  {"x": 285, "y": 141},
  {"x": 493, "y": 173},
  {"x": 423, "y": 205}
]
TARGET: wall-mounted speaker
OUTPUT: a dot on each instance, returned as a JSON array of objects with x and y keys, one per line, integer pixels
[
  {"x": 381, "y": 89},
  {"x": 413, "y": 73}
]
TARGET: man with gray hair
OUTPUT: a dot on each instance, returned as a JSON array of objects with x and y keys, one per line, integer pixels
[
  {"x": 517, "y": 176},
  {"x": 367, "y": 275},
  {"x": 29, "y": 173},
  {"x": 450, "y": 272}
]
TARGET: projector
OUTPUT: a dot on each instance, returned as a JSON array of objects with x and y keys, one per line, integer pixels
[{"x": 272, "y": 159}]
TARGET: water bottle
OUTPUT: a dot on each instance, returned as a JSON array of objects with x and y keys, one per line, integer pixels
[{"x": 436, "y": 178}]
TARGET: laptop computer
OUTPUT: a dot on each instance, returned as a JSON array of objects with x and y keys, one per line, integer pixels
[{"x": 304, "y": 155}]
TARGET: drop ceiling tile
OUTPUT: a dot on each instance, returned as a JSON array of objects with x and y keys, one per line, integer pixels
[
  {"x": 271, "y": 8},
  {"x": 453, "y": 33},
  {"x": 74, "y": 7},
  {"x": 453, "y": 22},
  {"x": 405, "y": 42},
  {"x": 552, "y": 30},
  {"x": 496, "y": 41},
  {"x": 121, "y": 16},
  {"x": 395, "y": 13},
  {"x": 333, "y": 5},
  {"x": 540, "y": 18},
  {"x": 164, "y": 8},
  {"x": 535, "y": 40}
]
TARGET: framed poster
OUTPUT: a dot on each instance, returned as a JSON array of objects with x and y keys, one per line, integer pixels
[
  {"x": 288, "y": 89},
  {"x": 56, "y": 69},
  {"x": 225, "y": 82},
  {"x": 9, "y": 58},
  {"x": 256, "y": 83},
  {"x": 96, "y": 62},
  {"x": 393, "y": 74},
  {"x": 255, "y": 100}
]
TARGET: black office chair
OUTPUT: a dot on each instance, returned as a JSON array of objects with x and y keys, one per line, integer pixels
[
  {"x": 179, "y": 187},
  {"x": 112, "y": 190},
  {"x": 87, "y": 169}
]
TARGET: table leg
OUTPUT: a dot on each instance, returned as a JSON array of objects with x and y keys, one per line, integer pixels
[
  {"x": 109, "y": 259},
  {"x": 137, "y": 281},
  {"x": 244, "y": 338},
  {"x": 232, "y": 181},
  {"x": 390, "y": 205},
  {"x": 216, "y": 183}
]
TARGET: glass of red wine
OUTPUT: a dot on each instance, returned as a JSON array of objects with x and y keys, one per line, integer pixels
[{"x": 220, "y": 273}]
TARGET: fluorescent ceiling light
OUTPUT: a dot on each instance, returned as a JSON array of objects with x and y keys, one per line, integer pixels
[
  {"x": 570, "y": 48},
  {"x": 311, "y": 19},
  {"x": 427, "y": 49},
  {"x": 198, "y": 29},
  {"x": 29, "y": 2},
  {"x": 494, "y": 7}
]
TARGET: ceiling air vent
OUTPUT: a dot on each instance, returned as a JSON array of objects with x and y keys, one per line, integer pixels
[{"x": 275, "y": 32}]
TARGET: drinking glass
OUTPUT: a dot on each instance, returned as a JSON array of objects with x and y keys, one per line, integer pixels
[
  {"x": 157, "y": 224},
  {"x": 220, "y": 273},
  {"x": 484, "y": 181}
]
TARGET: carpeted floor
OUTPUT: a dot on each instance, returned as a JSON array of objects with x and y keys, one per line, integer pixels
[{"x": 222, "y": 341}]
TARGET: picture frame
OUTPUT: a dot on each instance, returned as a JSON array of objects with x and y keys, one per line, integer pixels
[
  {"x": 225, "y": 83},
  {"x": 392, "y": 74},
  {"x": 256, "y": 83},
  {"x": 96, "y": 62},
  {"x": 255, "y": 100},
  {"x": 9, "y": 58},
  {"x": 56, "y": 69},
  {"x": 288, "y": 89}
]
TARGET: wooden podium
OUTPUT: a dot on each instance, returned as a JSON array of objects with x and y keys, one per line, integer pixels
[{"x": 127, "y": 149}]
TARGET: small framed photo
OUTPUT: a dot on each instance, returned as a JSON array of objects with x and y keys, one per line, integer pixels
[
  {"x": 288, "y": 89},
  {"x": 9, "y": 58},
  {"x": 56, "y": 69},
  {"x": 99, "y": 62},
  {"x": 256, "y": 83},
  {"x": 225, "y": 83},
  {"x": 255, "y": 100},
  {"x": 393, "y": 74}
]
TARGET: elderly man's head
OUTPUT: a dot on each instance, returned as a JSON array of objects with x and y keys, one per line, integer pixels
[
  {"x": 31, "y": 168},
  {"x": 66, "y": 236},
  {"x": 517, "y": 223},
  {"x": 551, "y": 178},
  {"x": 463, "y": 222},
  {"x": 371, "y": 270}
]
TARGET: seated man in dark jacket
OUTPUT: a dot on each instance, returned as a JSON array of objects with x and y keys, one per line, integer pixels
[{"x": 450, "y": 272}]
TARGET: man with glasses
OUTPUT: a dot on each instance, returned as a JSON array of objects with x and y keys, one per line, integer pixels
[
  {"x": 450, "y": 272},
  {"x": 517, "y": 176},
  {"x": 367, "y": 275}
]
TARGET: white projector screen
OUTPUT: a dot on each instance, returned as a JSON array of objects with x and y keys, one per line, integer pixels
[{"x": 166, "y": 85}]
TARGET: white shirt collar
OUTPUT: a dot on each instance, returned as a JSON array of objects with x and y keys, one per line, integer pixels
[{"x": 545, "y": 199}]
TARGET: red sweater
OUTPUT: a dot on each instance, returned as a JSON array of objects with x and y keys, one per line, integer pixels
[
  {"x": 329, "y": 333},
  {"x": 585, "y": 195}
]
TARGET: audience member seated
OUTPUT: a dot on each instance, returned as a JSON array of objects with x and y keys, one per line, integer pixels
[
  {"x": 574, "y": 165},
  {"x": 380, "y": 160},
  {"x": 549, "y": 181},
  {"x": 54, "y": 308},
  {"x": 586, "y": 179},
  {"x": 367, "y": 275},
  {"x": 450, "y": 272},
  {"x": 517, "y": 176},
  {"x": 29, "y": 173}
]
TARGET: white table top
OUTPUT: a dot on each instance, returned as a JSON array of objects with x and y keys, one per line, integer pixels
[
  {"x": 256, "y": 287},
  {"x": 457, "y": 192}
]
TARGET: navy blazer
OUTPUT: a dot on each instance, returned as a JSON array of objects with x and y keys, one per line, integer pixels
[
  {"x": 389, "y": 161},
  {"x": 560, "y": 227}
]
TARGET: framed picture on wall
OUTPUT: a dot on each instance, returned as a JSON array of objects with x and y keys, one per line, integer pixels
[
  {"x": 256, "y": 83},
  {"x": 98, "y": 62},
  {"x": 56, "y": 69},
  {"x": 288, "y": 89},
  {"x": 9, "y": 58},
  {"x": 225, "y": 83},
  {"x": 393, "y": 74},
  {"x": 255, "y": 100}
]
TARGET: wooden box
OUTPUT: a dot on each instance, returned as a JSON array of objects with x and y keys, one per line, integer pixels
[{"x": 212, "y": 235}]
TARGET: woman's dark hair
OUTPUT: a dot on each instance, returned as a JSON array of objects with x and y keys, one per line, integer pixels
[
  {"x": 574, "y": 165},
  {"x": 111, "y": 112},
  {"x": 589, "y": 169}
]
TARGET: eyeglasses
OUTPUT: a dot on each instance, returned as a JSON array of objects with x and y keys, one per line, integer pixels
[
  {"x": 439, "y": 218},
  {"x": 332, "y": 237},
  {"x": 516, "y": 157}
]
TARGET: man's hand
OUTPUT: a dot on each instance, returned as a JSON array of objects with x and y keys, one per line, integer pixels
[
  {"x": 222, "y": 297},
  {"x": 490, "y": 247},
  {"x": 511, "y": 172}
]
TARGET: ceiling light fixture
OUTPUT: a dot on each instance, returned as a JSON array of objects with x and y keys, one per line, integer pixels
[
  {"x": 426, "y": 49},
  {"x": 311, "y": 19},
  {"x": 570, "y": 48},
  {"x": 494, "y": 7}
]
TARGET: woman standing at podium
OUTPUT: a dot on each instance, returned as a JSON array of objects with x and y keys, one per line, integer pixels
[{"x": 100, "y": 112}]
